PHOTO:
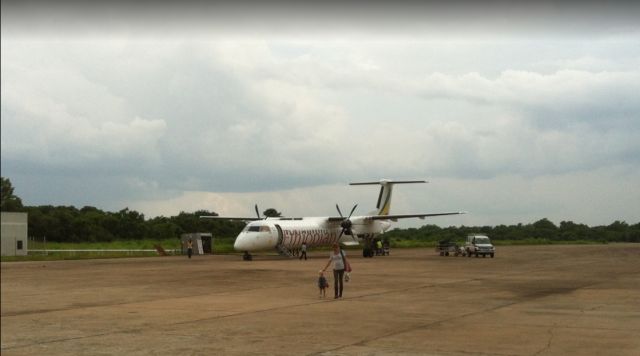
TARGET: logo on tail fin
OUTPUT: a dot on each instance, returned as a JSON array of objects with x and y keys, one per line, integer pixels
[{"x": 383, "y": 205}]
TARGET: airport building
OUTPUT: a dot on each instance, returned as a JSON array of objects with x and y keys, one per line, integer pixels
[
  {"x": 202, "y": 243},
  {"x": 14, "y": 234}
]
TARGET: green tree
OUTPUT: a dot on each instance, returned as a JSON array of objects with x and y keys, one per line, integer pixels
[
  {"x": 131, "y": 225},
  {"x": 9, "y": 201},
  {"x": 200, "y": 213},
  {"x": 94, "y": 227},
  {"x": 544, "y": 224},
  {"x": 543, "y": 229},
  {"x": 163, "y": 228},
  {"x": 63, "y": 225},
  {"x": 272, "y": 213}
]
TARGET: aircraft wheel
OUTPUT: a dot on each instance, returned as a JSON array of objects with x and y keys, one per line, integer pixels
[{"x": 491, "y": 255}]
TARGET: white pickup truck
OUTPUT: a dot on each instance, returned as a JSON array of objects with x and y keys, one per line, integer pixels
[{"x": 479, "y": 245}]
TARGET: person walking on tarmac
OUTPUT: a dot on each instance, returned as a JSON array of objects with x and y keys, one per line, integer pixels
[
  {"x": 340, "y": 264},
  {"x": 303, "y": 251},
  {"x": 189, "y": 248}
]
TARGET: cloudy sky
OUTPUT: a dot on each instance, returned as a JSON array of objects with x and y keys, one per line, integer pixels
[{"x": 511, "y": 112}]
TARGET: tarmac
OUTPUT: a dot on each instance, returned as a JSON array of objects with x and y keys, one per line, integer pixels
[{"x": 528, "y": 300}]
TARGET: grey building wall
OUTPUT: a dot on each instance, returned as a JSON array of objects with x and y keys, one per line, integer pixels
[{"x": 14, "y": 232}]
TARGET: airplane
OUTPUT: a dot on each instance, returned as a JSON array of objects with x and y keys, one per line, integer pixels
[{"x": 285, "y": 234}]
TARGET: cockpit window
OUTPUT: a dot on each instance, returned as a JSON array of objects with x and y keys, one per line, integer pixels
[{"x": 258, "y": 228}]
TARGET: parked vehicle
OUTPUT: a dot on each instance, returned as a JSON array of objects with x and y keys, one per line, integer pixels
[
  {"x": 446, "y": 248},
  {"x": 385, "y": 247},
  {"x": 479, "y": 245}
]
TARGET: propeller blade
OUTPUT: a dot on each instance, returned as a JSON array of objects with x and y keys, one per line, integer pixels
[
  {"x": 352, "y": 210},
  {"x": 353, "y": 236},
  {"x": 257, "y": 212},
  {"x": 339, "y": 212}
]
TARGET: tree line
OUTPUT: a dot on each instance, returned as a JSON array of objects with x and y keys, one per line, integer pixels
[
  {"x": 542, "y": 230},
  {"x": 90, "y": 224}
]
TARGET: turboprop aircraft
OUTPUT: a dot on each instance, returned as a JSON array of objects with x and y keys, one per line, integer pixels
[{"x": 285, "y": 234}]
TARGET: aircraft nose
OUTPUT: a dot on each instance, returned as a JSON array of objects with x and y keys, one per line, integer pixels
[
  {"x": 253, "y": 241},
  {"x": 240, "y": 244}
]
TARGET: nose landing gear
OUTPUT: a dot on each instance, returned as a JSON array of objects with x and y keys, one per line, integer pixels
[{"x": 247, "y": 256}]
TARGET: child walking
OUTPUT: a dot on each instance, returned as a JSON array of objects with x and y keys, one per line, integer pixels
[{"x": 322, "y": 284}]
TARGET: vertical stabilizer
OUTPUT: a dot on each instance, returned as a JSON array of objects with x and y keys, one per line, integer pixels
[{"x": 383, "y": 206}]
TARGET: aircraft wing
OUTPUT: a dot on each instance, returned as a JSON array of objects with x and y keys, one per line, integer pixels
[
  {"x": 249, "y": 219},
  {"x": 229, "y": 218},
  {"x": 406, "y": 216}
]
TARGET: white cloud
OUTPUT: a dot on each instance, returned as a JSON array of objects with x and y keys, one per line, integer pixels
[
  {"x": 587, "y": 196},
  {"x": 167, "y": 122},
  {"x": 562, "y": 91},
  {"x": 53, "y": 114},
  {"x": 506, "y": 199}
]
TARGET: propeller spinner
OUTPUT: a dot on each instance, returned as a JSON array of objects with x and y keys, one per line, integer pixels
[{"x": 346, "y": 223}]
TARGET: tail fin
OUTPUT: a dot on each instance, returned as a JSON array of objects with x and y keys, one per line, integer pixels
[{"x": 386, "y": 187}]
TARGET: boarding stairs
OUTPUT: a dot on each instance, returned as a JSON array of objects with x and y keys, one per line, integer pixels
[{"x": 283, "y": 251}]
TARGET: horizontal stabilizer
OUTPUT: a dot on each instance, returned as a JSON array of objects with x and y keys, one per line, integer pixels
[{"x": 386, "y": 181}]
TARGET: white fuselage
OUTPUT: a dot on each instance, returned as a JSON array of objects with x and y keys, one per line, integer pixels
[{"x": 267, "y": 234}]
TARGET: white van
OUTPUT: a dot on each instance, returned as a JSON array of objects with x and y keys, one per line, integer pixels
[{"x": 479, "y": 245}]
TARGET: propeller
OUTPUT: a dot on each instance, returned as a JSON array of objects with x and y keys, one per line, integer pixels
[
  {"x": 346, "y": 223},
  {"x": 258, "y": 212}
]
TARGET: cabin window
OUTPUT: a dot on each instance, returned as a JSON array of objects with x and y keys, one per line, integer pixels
[{"x": 19, "y": 245}]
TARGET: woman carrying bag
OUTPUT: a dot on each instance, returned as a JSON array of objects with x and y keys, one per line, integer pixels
[{"x": 340, "y": 265}]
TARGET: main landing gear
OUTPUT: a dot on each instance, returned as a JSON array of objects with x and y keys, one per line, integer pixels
[
  {"x": 367, "y": 252},
  {"x": 369, "y": 249},
  {"x": 247, "y": 256}
]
